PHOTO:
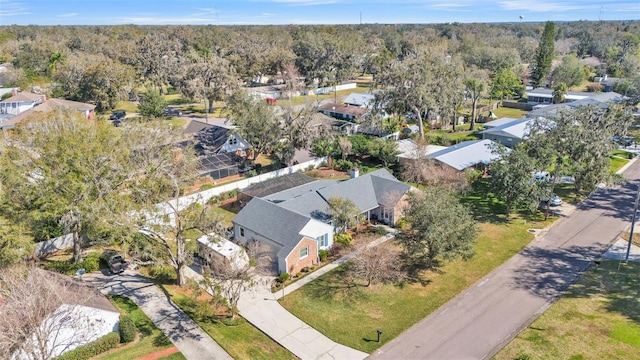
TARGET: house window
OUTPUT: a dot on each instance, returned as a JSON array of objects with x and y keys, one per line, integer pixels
[
  {"x": 386, "y": 213},
  {"x": 323, "y": 240},
  {"x": 242, "y": 232},
  {"x": 304, "y": 252}
]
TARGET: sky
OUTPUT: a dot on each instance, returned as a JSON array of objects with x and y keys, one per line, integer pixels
[{"x": 282, "y": 12}]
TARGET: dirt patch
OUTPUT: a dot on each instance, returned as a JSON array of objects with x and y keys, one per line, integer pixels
[
  {"x": 158, "y": 354},
  {"x": 327, "y": 173}
]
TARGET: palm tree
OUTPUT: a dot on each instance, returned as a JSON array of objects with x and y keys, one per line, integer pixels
[{"x": 559, "y": 93}]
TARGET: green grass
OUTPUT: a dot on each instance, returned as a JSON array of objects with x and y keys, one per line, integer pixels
[
  {"x": 241, "y": 340},
  {"x": 128, "y": 106},
  {"x": 598, "y": 318},
  {"x": 617, "y": 163},
  {"x": 226, "y": 215},
  {"x": 151, "y": 338},
  {"x": 177, "y": 123},
  {"x": 447, "y": 137},
  {"x": 623, "y": 154},
  {"x": 351, "y": 315},
  {"x": 502, "y": 112}
]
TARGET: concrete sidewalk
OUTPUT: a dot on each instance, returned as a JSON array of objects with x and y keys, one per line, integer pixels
[{"x": 186, "y": 335}]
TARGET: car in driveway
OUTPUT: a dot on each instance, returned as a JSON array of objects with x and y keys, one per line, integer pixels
[
  {"x": 555, "y": 200},
  {"x": 118, "y": 115},
  {"x": 114, "y": 261}
]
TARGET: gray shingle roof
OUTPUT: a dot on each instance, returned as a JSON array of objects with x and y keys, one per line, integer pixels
[{"x": 274, "y": 222}]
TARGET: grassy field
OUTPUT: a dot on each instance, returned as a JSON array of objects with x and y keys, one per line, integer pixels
[
  {"x": 351, "y": 315},
  {"x": 128, "y": 106},
  {"x": 241, "y": 340},
  {"x": 617, "y": 163},
  {"x": 598, "y": 318},
  {"x": 151, "y": 338}
]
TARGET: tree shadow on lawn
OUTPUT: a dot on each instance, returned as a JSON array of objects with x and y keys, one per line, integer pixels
[
  {"x": 616, "y": 282},
  {"x": 337, "y": 285},
  {"x": 484, "y": 206},
  {"x": 415, "y": 267}
]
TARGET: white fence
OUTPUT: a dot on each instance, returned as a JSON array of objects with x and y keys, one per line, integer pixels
[
  {"x": 53, "y": 245},
  {"x": 167, "y": 208},
  {"x": 330, "y": 89}
]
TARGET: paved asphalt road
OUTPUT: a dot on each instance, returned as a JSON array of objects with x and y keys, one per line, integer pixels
[
  {"x": 187, "y": 336},
  {"x": 480, "y": 321}
]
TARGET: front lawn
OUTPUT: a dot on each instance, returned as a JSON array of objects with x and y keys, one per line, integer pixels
[
  {"x": 503, "y": 112},
  {"x": 240, "y": 339},
  {"x": 151, "y": 339},
  {"x": 351, "y": 315},
  {"x": 617, "y": 163},
  {"x": 598, "y": 318}
]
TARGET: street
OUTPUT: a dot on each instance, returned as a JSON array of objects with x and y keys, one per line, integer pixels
[{"x": 480, "y": 321}]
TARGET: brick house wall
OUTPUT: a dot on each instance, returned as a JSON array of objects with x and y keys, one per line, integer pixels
[
  {"x": 295, "y": 263},
  {"x": 398, "y": 210}
]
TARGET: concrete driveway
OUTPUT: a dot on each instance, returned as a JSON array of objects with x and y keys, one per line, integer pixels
[{"x": 186, "y": 335}]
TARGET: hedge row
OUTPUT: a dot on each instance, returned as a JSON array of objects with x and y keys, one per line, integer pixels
[{"x": 94, "y": 348}]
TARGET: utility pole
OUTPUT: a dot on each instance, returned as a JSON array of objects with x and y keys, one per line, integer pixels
[{"x": 633, "y": 222}]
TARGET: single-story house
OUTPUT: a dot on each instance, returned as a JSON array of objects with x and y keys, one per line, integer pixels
[
  {"x": 296, "y": 222},
  {"x": 545, "y": 96},
  {"x": 409, "y": 149},
  {"x": 214, "y": 248},
  {"x": 549, "y": 111},
  {"x": 41, "y": 106},
  {"x": 472, "y": 153},
  {"x": 343, "y": 112},
  {"x": 363, "y": 100},
  {"x": 608, "y": 83},
  {"x": 510, "y": 133}
]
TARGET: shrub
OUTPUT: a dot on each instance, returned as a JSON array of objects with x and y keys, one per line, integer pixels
[
  {"x": 594, "y": 88},
  {"x": 162, "y": 272},
  {"x": 323, "y": 254},
  {"x": 127, "y": 329},
  {"x": 105, "y": 343},
  {"x": 379, "y": 230},
  {"x": 344, "y": 239},
  {"x": 283, "y": 277},
  {"x": 91, "y": 262},
  {"x": 206, "y": 186},
  {"x": 402, "y": 223},
  {"x": 344, "y": 165},
  {"x": 305, "y": 269},
  {"x": 252, "y": 173}
]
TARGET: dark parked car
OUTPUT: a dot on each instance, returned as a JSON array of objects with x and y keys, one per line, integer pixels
[
  {"x": 115, "y": 262},
  {"x": 118, "y": 115},
  {"x": 117, "y": 123}
]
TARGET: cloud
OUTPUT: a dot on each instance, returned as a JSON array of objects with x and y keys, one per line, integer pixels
[
  {"x": 68, "y": 15},
  {"x": 155, "y": 20},
  {"x": 543, "y": 6},
  {"x": 267, "y": 14},
  {"x": 10, "y": 8}
]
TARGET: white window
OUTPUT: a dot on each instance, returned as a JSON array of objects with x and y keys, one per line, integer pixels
[
  {"x": 304, "y": 252},
  {"x": 323, "y": 240}
]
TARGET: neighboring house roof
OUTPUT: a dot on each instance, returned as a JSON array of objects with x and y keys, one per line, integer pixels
[
  {"x": 343, "y": 109},
  {"x": 517, "y": 128},
  {"x": 274, "y": 222},
  {"x": 359, "y": 99},
  {"x": 554, "y": 109},
  {"x": 212, "y": 140},
  {"x": 47, "y": 106},
  {"x": 294, "y": 192},
  {"x": 575, "y": 95},
  {"x": 195, "y": 126},
  {"x": 23, "y": 97},
  {"x": 409, "y": 149},
  {"x": 498, "y": 122},
  {"x": 466, "y": 154}
]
